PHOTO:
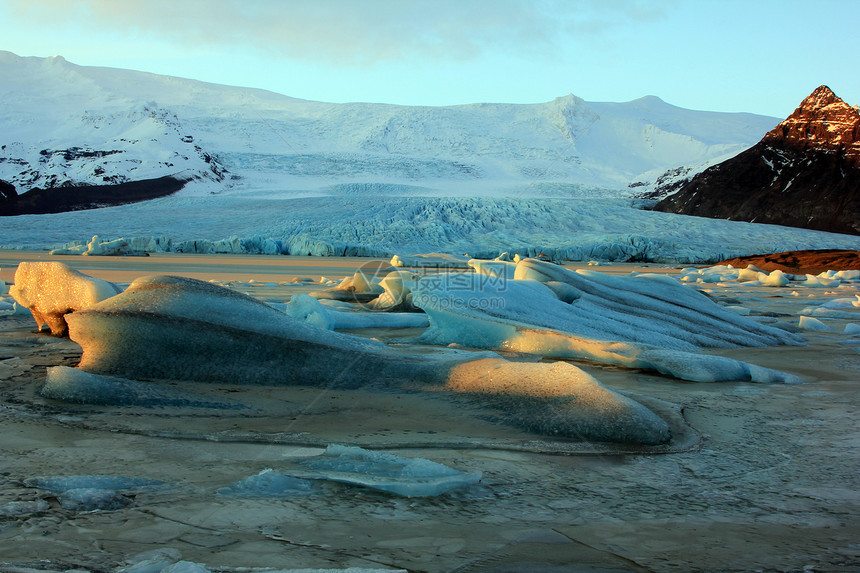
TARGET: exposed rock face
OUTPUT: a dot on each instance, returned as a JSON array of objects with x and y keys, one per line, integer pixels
[
  {"x": 7, "y": 191},
  {"x": 801, "y": 262},
  {"x": 803, "y": 173}
]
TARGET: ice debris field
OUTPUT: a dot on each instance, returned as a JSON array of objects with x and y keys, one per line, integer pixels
[
  {"x": 491, "y": 326},
  {"x": 524, "y": 338}
]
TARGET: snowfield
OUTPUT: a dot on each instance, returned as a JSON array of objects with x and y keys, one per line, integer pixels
[{"x": 278, "y": 175}]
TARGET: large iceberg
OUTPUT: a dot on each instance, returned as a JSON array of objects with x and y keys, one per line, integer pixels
[
  {"x": 177, "y": 328},
  {"x": 51, "y": 290},
  {"x": 644, "y": 321}
]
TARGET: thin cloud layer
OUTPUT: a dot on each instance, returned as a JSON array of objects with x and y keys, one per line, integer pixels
[{"x": 349, "y": 32}]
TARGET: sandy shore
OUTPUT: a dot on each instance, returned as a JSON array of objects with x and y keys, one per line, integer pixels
[{"x": 764, "y": 479}]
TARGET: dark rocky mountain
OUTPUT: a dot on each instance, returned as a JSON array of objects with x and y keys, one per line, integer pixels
[
  {"x": 803, "y": 173},
  {"x": 7, "y": 191}
]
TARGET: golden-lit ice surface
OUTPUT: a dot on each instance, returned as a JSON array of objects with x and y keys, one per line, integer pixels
[{"x": 771, "y": 485}]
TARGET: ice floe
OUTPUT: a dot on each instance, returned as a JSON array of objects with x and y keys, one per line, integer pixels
[
  {"x": 51, "y": 290},
  {"x": 93, "y": 492},
  {"x": 268, "y": 484},
  {"x": 408, "y": 477}
]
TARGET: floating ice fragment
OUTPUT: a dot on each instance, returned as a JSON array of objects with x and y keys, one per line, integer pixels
[
  {"x": 60, "y": 484},
  {"x": 92, "y": 499},
  {"x": 409, "y": 477},
  {"x": 820, "y": 281},
  {"x": 18, "y": 508},
  {"x": 51, "y": 290},
  {"x": 267, "y": 484},
  {"x": 308, "y": 309},
  {"x": 153, "y": 561},
  {"x": 811, "y": 323},
  {"x": 185, "y": 567},
  {"x": 851, "y": 328}
]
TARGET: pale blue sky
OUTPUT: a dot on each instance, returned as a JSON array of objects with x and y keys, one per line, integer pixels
[{"x": 760, "y": 56}]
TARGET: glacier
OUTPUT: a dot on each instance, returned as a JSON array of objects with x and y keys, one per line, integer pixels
[{"x": 271, "y": 174}]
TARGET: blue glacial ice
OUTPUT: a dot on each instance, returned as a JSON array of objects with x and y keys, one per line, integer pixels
[
  {"x": 268, "y": 484},
  {"x": 408, "y": 477},
  {"x": 646, "y": 321}
]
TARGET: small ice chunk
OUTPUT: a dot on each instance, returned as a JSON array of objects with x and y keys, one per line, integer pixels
[
  {"x": 821, "y": 281},
  {"x": 811, "y": 323},
  {"x": 185, "y": 567},
  {"x": 267, "y": 484},
  {"x": 97, "y": 247},
  {"x": 775, "y": 279},
  {"x": 851, "y": 328},
  {"x": 737, "y": 309},
  {"x": 18, "y": 508},
  {"x": 3, "y": 288},
  {"x": 93, "y": 499},
  {"x": 409, "y": 477},
  {"x": 153, "y": 561},
  {"x": 308, "y": 309},
  {"x": 59, "y": 484},
  {"x": 51, "y": 290}
]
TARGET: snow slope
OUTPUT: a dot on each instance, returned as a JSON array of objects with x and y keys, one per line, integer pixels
[
  {"x": 149, "y": 125},
  {"x": 275, "y": 174}
]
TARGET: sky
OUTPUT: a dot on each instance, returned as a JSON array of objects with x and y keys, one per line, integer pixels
[{"x": 758, "y": 56}]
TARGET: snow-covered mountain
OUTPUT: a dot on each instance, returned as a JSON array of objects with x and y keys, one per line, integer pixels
[
  {"x": 274, "y": 174},
  {"x": 69, "y": 124}
]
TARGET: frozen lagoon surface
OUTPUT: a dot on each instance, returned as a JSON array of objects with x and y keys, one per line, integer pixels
[{"x": 767, "y": 480}]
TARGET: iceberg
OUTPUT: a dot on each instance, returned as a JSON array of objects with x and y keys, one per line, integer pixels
[
  {"x": 51, "y": 290},
  {"x": 644, "y": 321},
  {"x": 176, "y": 328},
  {"x": 408, "y": 477}
]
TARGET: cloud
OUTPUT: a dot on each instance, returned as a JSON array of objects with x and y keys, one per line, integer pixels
[{"x": 350, "y": 32}]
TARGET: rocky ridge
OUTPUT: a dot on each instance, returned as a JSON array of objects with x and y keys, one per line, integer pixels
[{"x": 803, "y": 173}]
